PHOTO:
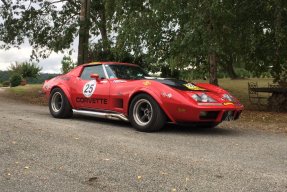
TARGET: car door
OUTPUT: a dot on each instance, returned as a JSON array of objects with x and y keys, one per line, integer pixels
[{"x": 92, "y": 94}]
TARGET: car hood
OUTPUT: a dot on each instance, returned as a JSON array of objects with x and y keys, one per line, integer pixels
[{"x": 185, "y": 86}]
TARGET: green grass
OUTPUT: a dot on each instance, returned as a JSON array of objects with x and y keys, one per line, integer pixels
[
  {"x": 26, "y": 89},
  {"x": 239, "y": 88},
  {"x": 30, "y": 93}
]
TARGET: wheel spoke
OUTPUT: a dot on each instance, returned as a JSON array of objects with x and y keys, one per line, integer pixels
[
  {"x": 149, "y": 116},
  {"x": 56, "y": 102},
  {"x": 149, "y": 107},
  {"x": 143, "y": 117},
  {"x": 143, "y": 112}
]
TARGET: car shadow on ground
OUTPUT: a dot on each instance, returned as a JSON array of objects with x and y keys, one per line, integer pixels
[
  {"x": 180, "y": 129},
  {"x": 168, "y": 128},
  {"x": 103, "y": 121}
]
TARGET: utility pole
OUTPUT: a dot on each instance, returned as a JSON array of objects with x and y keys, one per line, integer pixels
[{"x": 84, "y": 32}]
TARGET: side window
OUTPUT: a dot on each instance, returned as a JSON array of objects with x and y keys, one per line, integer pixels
[{"x": 95, "y": 69}]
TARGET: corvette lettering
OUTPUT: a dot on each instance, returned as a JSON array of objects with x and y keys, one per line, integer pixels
[{"x": 92, "y": 100}]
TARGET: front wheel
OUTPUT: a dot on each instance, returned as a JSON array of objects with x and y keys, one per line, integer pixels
[
  {"x": 145, "y": 114},
  {"x": 59, "y": 104}
]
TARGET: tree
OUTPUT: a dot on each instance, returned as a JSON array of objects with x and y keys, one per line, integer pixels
[
  {"x": 84, "y": 32},
  {"x": 53, "y": 25},
  {"x": 67, "y": 64},
  {"x": 211, "y": 34},
  {"x": 182, "y": 33},
  {"x": 47, "y": 25},
  {"x": 25, "y": 69}
]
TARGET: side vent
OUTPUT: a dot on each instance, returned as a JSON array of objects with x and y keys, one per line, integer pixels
[{"x": 119, "y": 103}]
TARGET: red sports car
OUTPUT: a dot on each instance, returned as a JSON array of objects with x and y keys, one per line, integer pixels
[{"x": 127, "y": 92}]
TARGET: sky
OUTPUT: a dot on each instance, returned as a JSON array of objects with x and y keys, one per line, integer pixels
[{"x": 50, "y": 65}]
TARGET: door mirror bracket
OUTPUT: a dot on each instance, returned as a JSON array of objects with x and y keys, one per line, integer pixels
[{"x": 96, "y": 77}]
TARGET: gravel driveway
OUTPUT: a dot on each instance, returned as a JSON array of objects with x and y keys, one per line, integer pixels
[{"x": 40, "y": 153}]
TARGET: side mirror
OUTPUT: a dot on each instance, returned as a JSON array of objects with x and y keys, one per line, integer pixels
[{"x": 95, "y": 76}]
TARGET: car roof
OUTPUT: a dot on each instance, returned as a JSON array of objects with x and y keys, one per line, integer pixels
[
  {"x": 77, "y": 71},
  {"x": 108, "y": 63}
]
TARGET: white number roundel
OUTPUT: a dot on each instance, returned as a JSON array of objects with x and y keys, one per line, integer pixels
[{"x": 89, "y": 88}]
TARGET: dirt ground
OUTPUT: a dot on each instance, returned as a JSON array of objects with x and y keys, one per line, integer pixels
[{"x": 42, "y": 153}]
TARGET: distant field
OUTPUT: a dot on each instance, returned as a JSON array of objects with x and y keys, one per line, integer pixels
[{"x": 239, "y": 88}]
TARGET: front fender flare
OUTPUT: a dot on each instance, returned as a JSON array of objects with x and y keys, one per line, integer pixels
[{"x": 155, "y": 96}]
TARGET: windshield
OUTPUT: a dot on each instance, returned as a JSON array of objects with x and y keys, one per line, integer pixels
[{"x": 126, "y": 72}]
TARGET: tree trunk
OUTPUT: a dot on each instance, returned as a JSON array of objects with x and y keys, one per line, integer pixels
[
  {"x": 278, "y": 102},
  {"x": 278, "y": 28},
  {"x": 84, "y": 32},
  {"x": 213, "y": 69},
  {"x": 212, "y": 56},
  {"x": 103, "y": 31},
  {"x": 230, "y": 68}
]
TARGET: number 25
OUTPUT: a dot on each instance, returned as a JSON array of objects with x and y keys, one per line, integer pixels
[{"x": 89, "y": 88}]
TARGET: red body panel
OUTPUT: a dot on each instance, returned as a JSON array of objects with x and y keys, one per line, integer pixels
[{"x": 116, "y": 94}]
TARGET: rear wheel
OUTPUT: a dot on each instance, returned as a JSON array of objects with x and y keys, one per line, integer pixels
[
  {"x": 145, "y": 114},
  {"x": 59, "y": 104}
]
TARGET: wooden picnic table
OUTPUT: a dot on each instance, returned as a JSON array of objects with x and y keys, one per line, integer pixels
[{"x": 278, "y": 100}]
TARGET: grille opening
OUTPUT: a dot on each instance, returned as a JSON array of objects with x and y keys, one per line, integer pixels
[
  {"x": 208, "y": 115},
  {"x": 237, "y": 115},
  {"x": 228, "y": 115}
]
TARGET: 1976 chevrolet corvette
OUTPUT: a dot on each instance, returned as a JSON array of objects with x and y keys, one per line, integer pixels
[{"x": 126, "y": 92}]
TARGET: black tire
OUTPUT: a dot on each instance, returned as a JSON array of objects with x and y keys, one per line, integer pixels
[
  {"x": 59, "y": 105},
  {"x": 153, "y": 118}
]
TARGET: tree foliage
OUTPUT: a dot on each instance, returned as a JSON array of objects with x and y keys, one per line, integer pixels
[
  {"x": 25, "y": 69},
  {"x": 205, "y": 34},
  {"x": 47, "y": 25},
  {"x": 67, "y": 64},
  {"x": 15, "y": 80}
]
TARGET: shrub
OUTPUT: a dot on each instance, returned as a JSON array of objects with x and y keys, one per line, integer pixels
[
  {"x": 15, "y": 80},
  {"x": 25, "y": 69},
  {"x": 243, "y": 73},
  {"x": 6, "y": 83}
]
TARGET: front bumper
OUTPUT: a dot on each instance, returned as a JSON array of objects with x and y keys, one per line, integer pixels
[{"x": 216, "y": 114}]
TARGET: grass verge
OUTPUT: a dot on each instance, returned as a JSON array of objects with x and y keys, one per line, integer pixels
[{"x": 28, "y": 93}]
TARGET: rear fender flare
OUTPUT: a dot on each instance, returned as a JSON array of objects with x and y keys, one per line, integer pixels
[{"x": 66, "y": 91}]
